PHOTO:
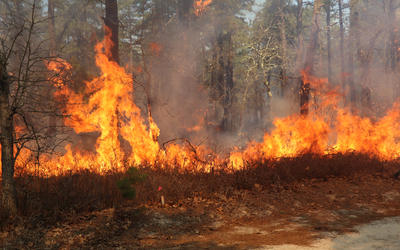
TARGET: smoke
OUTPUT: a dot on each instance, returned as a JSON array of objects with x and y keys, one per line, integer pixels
[{"x": 178, "y": 98}]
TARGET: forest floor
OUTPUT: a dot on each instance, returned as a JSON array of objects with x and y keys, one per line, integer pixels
[{"x": 306, "y": 213}]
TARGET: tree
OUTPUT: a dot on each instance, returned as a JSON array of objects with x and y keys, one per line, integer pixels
[
  {"x": 24, "y": 102},
  {"x": 354, "y": 44},
  {"x": 222, "y": 76},
  {"x": 327, "y": 6},
  {"x": 284, "y": 47},
  {"x": 112, "y": 23},
  {"x": 52, "y": 28},
  {"x": 222, "y": 84},
  {"x": 393, "y": 44},
  {"x": 309, "y": 60},
  {"x": 341, "y": 48},
  {"x": 52, "y": 53},
  {"x": 9, "y": 199}
]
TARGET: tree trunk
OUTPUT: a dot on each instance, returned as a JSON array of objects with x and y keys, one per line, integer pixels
[
  {"x": 309, "y": 60},
  {"x": 392, "y": 37},
  {"x": 52, "y": 28},
  {"x": 328, "y": 37},
  {"x": 300, "y": 46},
  {"x": 223, "y": 75},
  {"x": 52, "y": 53},
  {"x": 9, "y": 199},
  {"x": 393, "y": 44},
  {"x": 284, "y": 52},
  {"x": 111, "y": 21},
  {"x": 354, "y": 37},
  {"x": 342, "y": 66}
]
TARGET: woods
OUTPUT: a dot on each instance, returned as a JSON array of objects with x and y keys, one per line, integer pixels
[
  {"x": 205, "y": 73},
  {"x": 196, "y": 123},
  {"x": 292, "y": 36}
]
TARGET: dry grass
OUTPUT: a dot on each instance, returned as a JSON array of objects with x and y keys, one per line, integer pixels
[{"x": 52, "y": 199}]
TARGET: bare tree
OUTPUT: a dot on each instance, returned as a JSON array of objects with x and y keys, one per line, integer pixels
[
  {"x": 9, "y": 199},
  {"x": 23, "y": 95}
]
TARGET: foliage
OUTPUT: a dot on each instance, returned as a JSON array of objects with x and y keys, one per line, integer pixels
[{"x": 126, "y": 184}]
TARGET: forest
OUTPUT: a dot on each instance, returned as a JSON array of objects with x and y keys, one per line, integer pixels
[{"x": 137, "y": 118}]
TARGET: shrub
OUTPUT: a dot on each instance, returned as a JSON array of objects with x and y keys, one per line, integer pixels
[{"x": 126, "y": 184}]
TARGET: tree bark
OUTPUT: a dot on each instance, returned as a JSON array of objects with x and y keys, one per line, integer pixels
[
  {"x": 354, "y": 37},
  {"x": 309, "y": 60},
  {"x": 9, "y": 197},
  {"x": 328, "y": 37},
  {"x": 392, "y": 45},
  {"x": 299, "y": 33},
  {"x": 52, "y": 53},
  {"x": 112, "y": 22},
  {"x": 52, "y": 28},
  {"x": 284, "y": 51},
  {"x": 342, "y": 66},
  {"x": 300, "y": 48},
  {"x": 222, "y": 76}
]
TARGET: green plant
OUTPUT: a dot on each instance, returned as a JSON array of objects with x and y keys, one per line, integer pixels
[{"x": 126, "y": 184}]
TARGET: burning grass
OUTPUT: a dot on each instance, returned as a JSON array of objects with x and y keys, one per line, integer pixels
[
  {"x": 127, "y": 137},
  {"x": 298, "y": 147}
]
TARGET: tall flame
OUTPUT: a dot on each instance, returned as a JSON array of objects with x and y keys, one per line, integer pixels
[{"x": 106, "y": 108}]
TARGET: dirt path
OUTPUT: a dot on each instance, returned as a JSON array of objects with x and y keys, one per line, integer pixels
[{"x": 380, "y": 234}]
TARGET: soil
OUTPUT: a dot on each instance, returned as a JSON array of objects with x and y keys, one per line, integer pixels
[{"x": 301, "y": 214}]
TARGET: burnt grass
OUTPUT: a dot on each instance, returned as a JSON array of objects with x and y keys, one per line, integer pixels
[{"x": 53, "y": 199}]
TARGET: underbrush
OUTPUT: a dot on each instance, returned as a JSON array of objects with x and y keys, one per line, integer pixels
[{"x": 53, "y": 199}]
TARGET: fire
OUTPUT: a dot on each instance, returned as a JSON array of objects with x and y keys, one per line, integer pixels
[
  {"x": 155, "y": 48},
  {"x": 106, "y": 108},
  {"x": 328, "y": 129},
  {"x": 200, "y": 6}
]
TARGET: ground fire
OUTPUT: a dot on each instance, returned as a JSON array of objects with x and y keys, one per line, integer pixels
[
  {"x": 199, "y": 124},
  {"x": 110, "y": 111}
]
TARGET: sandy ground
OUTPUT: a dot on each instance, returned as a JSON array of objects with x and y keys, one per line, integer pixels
[{"x": 380, "y": 234}]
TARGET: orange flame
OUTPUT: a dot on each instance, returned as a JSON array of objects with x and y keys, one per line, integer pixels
[
  {"x": 328, "y": 129},
  {"x": 106, "y": 107},
  {"x": 200, "y": 6}
]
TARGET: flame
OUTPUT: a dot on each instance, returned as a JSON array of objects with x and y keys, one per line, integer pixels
[
  {"x": 155, "y": 48},
  {"x": 200, "y": 6},
  {"x": 328, "y": 129},
  {"x": 106, "y": 108}
]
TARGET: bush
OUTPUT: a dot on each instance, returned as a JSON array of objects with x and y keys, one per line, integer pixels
[{"x": 126, "y": 184}]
